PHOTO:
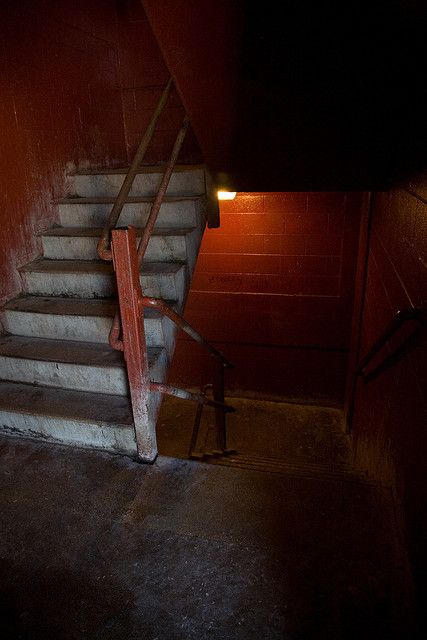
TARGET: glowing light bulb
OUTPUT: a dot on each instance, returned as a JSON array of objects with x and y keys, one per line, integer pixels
[{"x": 226, "y": 195}]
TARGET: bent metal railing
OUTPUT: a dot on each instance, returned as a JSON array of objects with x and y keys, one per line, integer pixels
[
  {"x": 416, "y": 314},
  {"x": 127, "y": 332}
]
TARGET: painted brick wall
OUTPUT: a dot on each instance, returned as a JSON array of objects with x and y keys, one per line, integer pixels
[
  {"x": 142, "y": 76},
  {"x": 60, "y": 103},
  {"x": 389, "y": 425},
  {"x": 273, "y": 289},
  {"x": 73, "y": 88}
]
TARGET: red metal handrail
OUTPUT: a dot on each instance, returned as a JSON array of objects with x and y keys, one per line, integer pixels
[
  {"x": 166, "y": 310},
  {"x": 127, "y": 332},
  {"x": 132, "y": 303},
  {"x": 417, "y": 314},
  {"x": 113, "y": 338},
  {"x": 103, "y": 244}
]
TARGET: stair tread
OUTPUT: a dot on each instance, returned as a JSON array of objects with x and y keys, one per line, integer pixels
[
  {"x": 72, "y": 306},
  {"x": 327, "y": 472},
  {"x": 294, "y": 462},
  {"x": 95, "y": 232},
  {"x": 67, "y": 351},
  {"x": 65, "y": 403},
  {"x": 298, "y": 461},
  {"x": 129, "y": 199},
  {"x": 149, "y": 168},
  {"x": 43, "y": 265}
]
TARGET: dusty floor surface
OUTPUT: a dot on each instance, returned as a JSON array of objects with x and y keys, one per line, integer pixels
[
  {"x": 262, "y": 428},
  {"x": 96, "y": 546}
]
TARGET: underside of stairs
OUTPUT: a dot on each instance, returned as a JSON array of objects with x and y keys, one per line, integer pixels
[{"x": 59, "y": 378}]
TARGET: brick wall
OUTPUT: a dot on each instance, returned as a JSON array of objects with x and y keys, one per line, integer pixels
[
  {"x": 389, "y": 424},
  {"x": 60, "y": 102},
  {"x": 142, "y": 76},
  {"x": 73, "y": 82},
  {"x": 273, "y": 289}
]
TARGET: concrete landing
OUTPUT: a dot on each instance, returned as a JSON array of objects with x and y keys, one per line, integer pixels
[{"x": 96, "y": 546}]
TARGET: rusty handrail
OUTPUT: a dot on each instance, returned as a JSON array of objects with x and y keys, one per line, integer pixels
[
  {"x": 133, "y": 344},
  {"x": 114, "y": 334},
  {"x": 402, "y": 316},
  {"x": 200, "y": 398},
  {"x": 155, "y": 208},
  {"x": 129, "y": 318},
  {"x": 165, "y": 309},
  {"x": 103, "y": 244}
]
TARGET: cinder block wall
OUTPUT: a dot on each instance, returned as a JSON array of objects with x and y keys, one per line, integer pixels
[
  {"x": 273, "y": 289},
  {"x": 78, "y": 84},
  {"x": 389, "y": 425}
]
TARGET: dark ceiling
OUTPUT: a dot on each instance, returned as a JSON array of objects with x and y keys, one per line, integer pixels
[{"x": 332, "y": 94}]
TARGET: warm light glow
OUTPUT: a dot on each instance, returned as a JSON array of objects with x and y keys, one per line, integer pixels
[{"x": 226, "y": 195}]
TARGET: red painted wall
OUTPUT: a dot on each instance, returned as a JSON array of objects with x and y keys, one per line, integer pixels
[
  {"x": 200, "y": 42},
  {"x": 389, "y": 424},
  {"x": 143, "y": 75},
  {"x": 60, "y": 102},
  {"x": 73, "y": 86},
  {"x": 273, "y": 289}
]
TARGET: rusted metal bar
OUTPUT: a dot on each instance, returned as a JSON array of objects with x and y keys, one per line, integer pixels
[
  {"x": 192, "y": 453},
  {"x": 103, "y": 244},
  {"x": 165, "y": 309},
  {"x": 159, "y": 387},
  {"x": 148, "y": 230},
  {"x": 154, "y": 212},
  {"x": 114, "y": 335},
  {"x": 403, "y": 315},
  {"x": 220, "y": 423},
  {"x": 134, "y": 346}
]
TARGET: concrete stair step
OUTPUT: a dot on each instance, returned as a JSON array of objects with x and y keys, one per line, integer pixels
[
  {"x": 79, "y": 243},
  {"x": 83, "y": 366},
  {"x": 95, "y": 279},
  {"x": 296, "y": 467},
  {"x": 93, "y": 212},
  {"x": 81, "y": 319},
  {"x": 186, "y": 180},
  {"x": 80, "y": 418}
]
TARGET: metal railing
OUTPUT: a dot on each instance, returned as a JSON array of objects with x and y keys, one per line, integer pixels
[
  {"x": 415, "y": 314},
  {"x": 127, "y": 332},
  {"x": 103, "y": 244}
]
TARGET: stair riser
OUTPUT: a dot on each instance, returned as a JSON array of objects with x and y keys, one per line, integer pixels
[
  {"x": 172, "y": 214},
  {"x": 107, "y": 379},
  {"x": 181, "y": 184},
  {"x": 161, "y": 249},
  {"x": 79, "y": 328},
  {"x": 90, "y": 285},
  {"x": 73, "y": 432},
  {"x": 66, "y": 376}
]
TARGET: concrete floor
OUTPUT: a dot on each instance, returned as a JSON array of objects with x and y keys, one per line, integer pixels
[
  {"x": 96, "y": 546},
  {"x": 288, "y": 431}
]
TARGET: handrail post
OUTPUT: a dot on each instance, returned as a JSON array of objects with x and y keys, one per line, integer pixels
[
  {"x": 220, "y": 420},
  {"x": 134, "y": 345}
]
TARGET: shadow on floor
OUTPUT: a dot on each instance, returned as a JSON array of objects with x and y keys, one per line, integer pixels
[
  {"x": 97, "y": 546},
  {"x": 261, "y": 428}
]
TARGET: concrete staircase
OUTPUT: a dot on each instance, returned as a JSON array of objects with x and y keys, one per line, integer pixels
[{"x": 59, "y": 378}]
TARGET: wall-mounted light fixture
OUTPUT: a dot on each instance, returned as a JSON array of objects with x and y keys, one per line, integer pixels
[{"x": 226, "y": 195}]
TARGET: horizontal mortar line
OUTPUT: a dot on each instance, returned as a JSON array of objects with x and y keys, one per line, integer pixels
[
  {"x": 251, "y": 293},
  {"x": 276, "y": 274},
  {"x": 262, "y": 345},
  {"x": 140, "y": 86},
  {"x": 274, "y": 255}
]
